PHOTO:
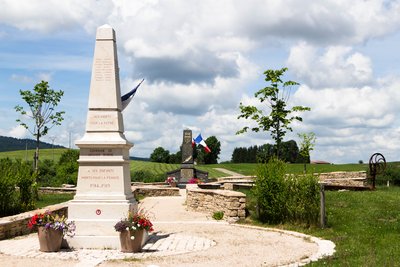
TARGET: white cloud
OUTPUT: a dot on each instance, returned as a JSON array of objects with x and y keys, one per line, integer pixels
[
  {"x": 337, "y": 67},
  {"x": 21, "y": 78},
  {"x": 195, "y": 56},
  {"x": 18, "y": 132},
  {"x": 45, "y": 76}
]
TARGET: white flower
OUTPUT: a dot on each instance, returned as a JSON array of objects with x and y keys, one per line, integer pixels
[{"x": 132, "y": 237}]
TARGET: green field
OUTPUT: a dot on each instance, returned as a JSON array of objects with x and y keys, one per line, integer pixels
[
  {"x": 28, "y": 154},
  {"x": 162, "y": 168}
]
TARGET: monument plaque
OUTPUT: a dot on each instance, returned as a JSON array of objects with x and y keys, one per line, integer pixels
[{"x": 103, "y": 194}]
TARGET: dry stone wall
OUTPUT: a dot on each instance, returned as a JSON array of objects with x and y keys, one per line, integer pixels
[
  {"x": 17, "y": 225},
  {"x": 155, "y": 191},
  {"x": 344, "y": 178},
  {"x": 231, "y": 203}
]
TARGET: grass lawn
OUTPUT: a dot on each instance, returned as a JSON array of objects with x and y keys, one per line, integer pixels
[
  {"x": 365, "y": 226},
  {"x": 251, "y": 168},
  {"x": 162, "y": 168},
  {"x": 51, "y": 199}
]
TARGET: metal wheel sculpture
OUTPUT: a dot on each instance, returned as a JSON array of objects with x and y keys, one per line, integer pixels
[{"x": 377, "y": 165}]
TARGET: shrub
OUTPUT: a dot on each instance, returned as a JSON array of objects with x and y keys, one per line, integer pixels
[
  {"x": 67, "y": 168},
  {"x": 146, "y": 176},
  {"x": 391, "y": 174},
  {"x": 218, "y": 215},
  {"x": 280, "y": 198},
  {"x": 269, "y": 191},
  {"x": 27, "y": 186},
  {"x": 47, "y": 173},
  {"x": 16, "y": 187}
]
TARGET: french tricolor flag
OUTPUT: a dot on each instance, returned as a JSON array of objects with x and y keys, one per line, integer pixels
[
  {"x": 125, "y": 99},
  {"x": 199, "y": 141}
]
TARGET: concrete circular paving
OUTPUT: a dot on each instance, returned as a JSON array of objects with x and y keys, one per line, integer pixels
[{"x": 182, "y": 238}]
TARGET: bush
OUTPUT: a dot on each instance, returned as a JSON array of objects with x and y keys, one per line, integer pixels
[
  {"x": 47, "y": 173},
  {"x": 391, "y": 174},
  {"x": 67, "y": 168},
  {"x": 16, "y": 187},
  {"x": 146, "y": 176},
  {"x": 280, "y": 198}
]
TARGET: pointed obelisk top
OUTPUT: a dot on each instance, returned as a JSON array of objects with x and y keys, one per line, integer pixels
[
  {"x": 105, "y": 32},
  {"x": 104, "y": 87}
]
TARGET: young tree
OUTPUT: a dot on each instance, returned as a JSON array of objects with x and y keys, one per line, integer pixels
[
  {"x": 307, "y": 143},
  {"x": 276, "y": 96},
  {"x": 42, "y": 102}
]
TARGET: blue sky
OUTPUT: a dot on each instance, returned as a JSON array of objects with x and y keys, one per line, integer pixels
[{"x": 201, "y": 59}]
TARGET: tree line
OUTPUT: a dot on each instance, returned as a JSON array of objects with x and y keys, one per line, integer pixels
[{"x": 289, "y": 152}]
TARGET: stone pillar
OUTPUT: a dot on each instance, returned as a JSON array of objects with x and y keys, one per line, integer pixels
[
  {"x": 187, "y": 166},
  {"x": 104, "y": 192}
]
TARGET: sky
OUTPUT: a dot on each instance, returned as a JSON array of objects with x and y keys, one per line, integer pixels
[{"x": 200, "y": 59}]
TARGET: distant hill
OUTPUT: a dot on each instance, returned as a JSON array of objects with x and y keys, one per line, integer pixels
[
  {"x": 139, "y": 159},
  {"x": 13, "y": 144}
]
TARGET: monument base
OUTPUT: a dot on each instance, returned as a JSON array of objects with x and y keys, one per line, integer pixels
[{"x": 95, "y": 220}]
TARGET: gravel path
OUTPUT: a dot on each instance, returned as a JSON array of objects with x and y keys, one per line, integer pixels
[
  {"x": 228, "y": 172},
  {"x": 182, "y": 238}
]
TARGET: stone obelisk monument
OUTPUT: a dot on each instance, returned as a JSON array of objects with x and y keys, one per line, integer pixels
[{"x": 103, "y": 193}]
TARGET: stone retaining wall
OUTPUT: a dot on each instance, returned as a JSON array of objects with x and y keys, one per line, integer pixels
[
  {"x": 231, "y": 203},
  {"x": 344, "y": 178},
  {"x": 154, "y": 191},
  {"x": 17, "y": 225}
]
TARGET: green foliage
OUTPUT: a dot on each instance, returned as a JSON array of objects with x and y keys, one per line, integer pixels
[
  {"x": 280, "y": 198},
  {"x": 275, "y": 98},
  {"x": 41, "y": 102},
  {"x": 307, "y": 143},
  {"x": 270, "y": 192},
  {"x": 67, "y": 168},
  {"x": 47, "y": 173},
  {"x": 16, "y": 187},
  {"x": 146, "y": 176},
  {"x": 212, "y": 157},
  {"x": 254, "y": 154},
  {"x": 160, "y": 155},
  {"x": 218, "y": 215},
  {"x": 391, "y": 174}
]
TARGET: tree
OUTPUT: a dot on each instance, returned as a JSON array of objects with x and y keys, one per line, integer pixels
[
  {"x": 280, "y": 117},
  {"x": 289, "y": 151},
  {"x": 42, "y": 102},
  {"x": 160, "y": 155},
  {"x": 212, "y": 157},
  {"x": 307, "y": 143}
]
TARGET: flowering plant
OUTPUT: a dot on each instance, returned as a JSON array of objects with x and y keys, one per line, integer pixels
[
  {"x": 135, "y": 221},
  {"x": 54, "y": 221},
  {"x": 170, "y": 180},
  {"x": 194, "y": 181}
]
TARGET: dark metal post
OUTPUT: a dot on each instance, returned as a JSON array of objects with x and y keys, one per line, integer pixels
[{"x": 322, "y": 205}]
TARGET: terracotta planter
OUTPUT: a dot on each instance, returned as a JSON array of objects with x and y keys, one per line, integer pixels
[
  {"x": 131, "y": 245},
  {"x": 49, "y": 239},
  {"x": 173, "y": 184}
]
